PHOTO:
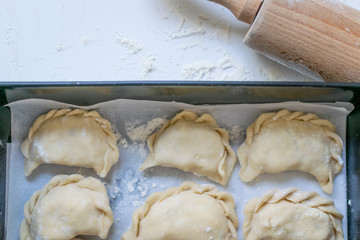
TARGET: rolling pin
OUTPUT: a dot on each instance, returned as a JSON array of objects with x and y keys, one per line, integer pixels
[{"x": 320, "y": 38}]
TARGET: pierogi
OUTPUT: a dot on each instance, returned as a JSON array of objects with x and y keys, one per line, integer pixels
[
  {"x": 187, "y": 212},
  {"x": 66, "y": 207},
  {"x": 292, "y": 214},
  {"x": 194, "y": 144},
  {"x": 71, "y": 137},
  {"x": 284, "y": 140}
]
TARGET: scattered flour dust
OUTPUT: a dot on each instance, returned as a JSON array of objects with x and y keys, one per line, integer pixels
[
  {"x": 141, "y": 133},
  {"x": 187, "y": 32},
  {"x": 224, "y": 69},
  {"x": 148, "y": 64},
  {"x": 236, "y": 134},
  {"x": 123, "y": 143},
  {"x": 132, "y": 46},
  {"x": 128, "y": 185},
  {"x": 138, "y": 134}
]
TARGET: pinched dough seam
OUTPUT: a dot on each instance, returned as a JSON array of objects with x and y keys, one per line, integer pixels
[
  {"x": 295, "y": 196},
  {"x": 223, "y": 198},
  {"x": 267, "y": 118},
  {"x": 103, "y": 123},
  {"x": 57, "y": 181},
  {"x": 206, "y": 119}
]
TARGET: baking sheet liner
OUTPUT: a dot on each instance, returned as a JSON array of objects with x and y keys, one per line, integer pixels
[{"x": 134, "y": 121}]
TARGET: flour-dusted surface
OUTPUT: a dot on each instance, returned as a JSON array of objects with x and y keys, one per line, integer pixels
[
  {"x": 134, "y": 122},
  {"x": 86, "y": 40}
]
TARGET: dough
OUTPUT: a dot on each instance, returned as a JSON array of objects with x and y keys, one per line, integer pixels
[
  {"x": 194, "y": 144},
  {"x": 291, "y": 214},
  {"x": 71, "y": 137},
  {"x": 188, "y": 212},
  {"x": 284, "y": 140},
  {"x": 66, "y": 207}
]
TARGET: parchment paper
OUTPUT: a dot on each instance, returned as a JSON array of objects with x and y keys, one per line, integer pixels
[{"x": 134, "y": 121}]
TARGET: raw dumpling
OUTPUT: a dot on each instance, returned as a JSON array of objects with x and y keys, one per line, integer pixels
[
  {"x": 284, "y": 140},
  {"x": 71, "y": 137},
  {"x": 66, "y": 207},
  {"x": 292, "y": 214},
  {"x": 188, "y": 212},
  {"x": 194, "y": 144}
]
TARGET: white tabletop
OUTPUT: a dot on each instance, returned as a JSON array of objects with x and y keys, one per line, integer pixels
[{"x": 92, "y": 40}]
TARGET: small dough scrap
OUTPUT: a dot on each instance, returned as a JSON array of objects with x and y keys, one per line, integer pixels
[
  {"x": 284, "y": 140},
  {"x": 71, "y": 137},
  {"x": 66, "y": 207},
  {"x": 187, "y": 212},
  {"x": 292, "y": 214},
  {"x": 194, "y": 144}
]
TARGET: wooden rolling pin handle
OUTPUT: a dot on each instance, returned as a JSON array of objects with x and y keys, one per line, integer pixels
[
  {"x": 244, "y": 10},
  {"x": 320, "y": 38}
]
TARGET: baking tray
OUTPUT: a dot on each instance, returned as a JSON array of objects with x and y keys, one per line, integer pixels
[{"x": 88, "y": 93}]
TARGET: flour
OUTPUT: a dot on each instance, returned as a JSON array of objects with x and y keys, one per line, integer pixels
[
  {"x": 187, "y": 33},
  {"x": 172, "y": 7},
  {"x": 236, "y": 134},
  {"x": 141, "y": 133},
  {"x": 189, "y": 46},
  {"x": 123, "y": 143},
  {"x": 148, "y": 64},
  {"x": 189, "y": 36},
  {"x": 40, "y": 150},
  {"x": 224, "y": 69},
  {"x": 144, "y": 58},
  {"x": 200, "y": 70},
  {"x": 130, "y": 185},
  {"x": 132, "y": 46},
  {"x": 138, "y": 135},
  {"x": 184, "y": 31}
]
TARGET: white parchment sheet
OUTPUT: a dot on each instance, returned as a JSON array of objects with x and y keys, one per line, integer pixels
[{"x": 134, "y": 121}]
